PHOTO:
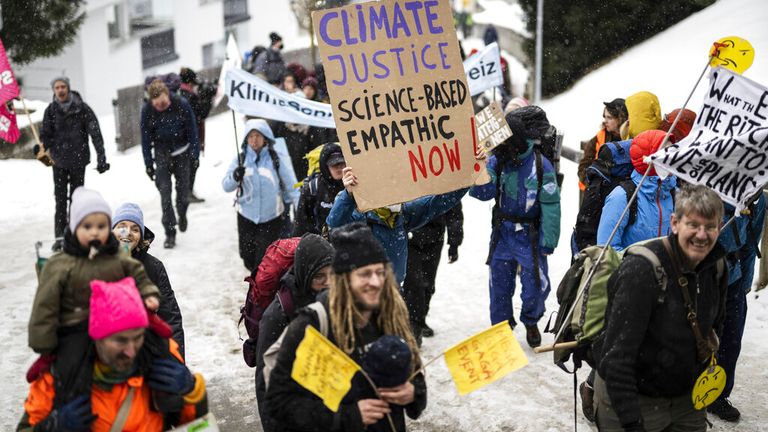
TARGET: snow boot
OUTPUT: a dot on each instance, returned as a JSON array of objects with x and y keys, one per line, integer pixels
[
  {"x": 532, "y": 335},
  {"x": 170, "y": 240},
  {"x": 587, "y": 394},
  {"x": 427, "y": 331},
  {"x": 723, "y": 408},
  {"x": 194, "y": 199},
  {"x": 183, "y": 223}
]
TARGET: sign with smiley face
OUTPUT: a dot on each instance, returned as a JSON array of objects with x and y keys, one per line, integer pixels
[
  {"x": 708, "y": 386},
  {"x": 734, "y": 53}
]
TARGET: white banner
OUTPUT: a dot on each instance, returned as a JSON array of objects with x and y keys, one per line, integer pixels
[
  {"x": 483, "y": 69},
  {"x": 232, "y": 61},
  {"x": 727, "y": 147},
  {"x": 249, "y": 94}
]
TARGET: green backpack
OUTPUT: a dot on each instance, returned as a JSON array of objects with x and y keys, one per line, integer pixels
[{"x": 585, "y": 325}]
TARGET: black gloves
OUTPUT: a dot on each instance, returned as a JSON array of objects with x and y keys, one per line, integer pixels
[
  {"x": 170, "y": 376},
  {"x": 102, "y": 167},
  {"x": 151, "y": 172},
  {"x": 195, "y": 164},
  {"x": 36, "y": 149},
  {"x": 453, "y": 253},
  {"x": 238, "y": 173},
  {"x": 75, "y": 415}
]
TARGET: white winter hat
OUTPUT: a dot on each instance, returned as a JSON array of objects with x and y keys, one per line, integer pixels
[{"x": 85, "y": 202}]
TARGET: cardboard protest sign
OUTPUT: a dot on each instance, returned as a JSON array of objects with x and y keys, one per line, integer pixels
[
  {"x": 9, "y": 89},
  {"x": 726, "y": 149},
  {"x": 483, "y": 69},
  {"x": 323, "y": 368},
  {"x": 249, "y": 94},
  {"x": 485, "y": 358},
  {"x": 399, "y": 97},
  {"x": 734, "y": 53},
  {"x": 492, "y": 128}
]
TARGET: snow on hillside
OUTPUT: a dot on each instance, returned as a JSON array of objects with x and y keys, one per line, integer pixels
[{"x": 206, "y": 272}]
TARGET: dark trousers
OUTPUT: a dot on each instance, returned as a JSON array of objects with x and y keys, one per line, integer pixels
[
  {"x": 178, "y": 166},
  {"x": 65, "y": 181},
  {"x": 192, "y": 174},
  {"x": 254, "y": 238},
  {"x": 735, "y": 318},
  {"x": 419, "y": 283}
]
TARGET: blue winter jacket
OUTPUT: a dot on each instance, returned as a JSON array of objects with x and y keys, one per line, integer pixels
[
  {"x": 262, "y": 200},
  {"x": 654, "y": 210},
  {"x": 171, "y": 129},
  {"x": 520, "y": 196},
  {"x": 748, "y": 229},
  {"x": 413, "y": 215}
]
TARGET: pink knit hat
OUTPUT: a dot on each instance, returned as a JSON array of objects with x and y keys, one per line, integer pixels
[{"x": 115, "y": 307}]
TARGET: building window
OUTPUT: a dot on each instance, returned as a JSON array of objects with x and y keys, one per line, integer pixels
[
  {"x": 158, "y": 48},
  {"x": 114, "y": 21},
  {"x": 235, "y": 11}
]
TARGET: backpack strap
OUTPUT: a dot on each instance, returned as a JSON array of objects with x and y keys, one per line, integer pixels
[
  {"x": 658, "y": 270},
  {"x": 322, "y": 317},
  {"x": 629, "y": 188},
  {"x": 313, "y": 186},
  {"x": 276, "y": 164},
  {"x": 286, "y": 300},
  {"x": 122, "y": 413}
]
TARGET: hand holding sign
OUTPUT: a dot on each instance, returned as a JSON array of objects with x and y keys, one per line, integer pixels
[{"x": 349, "y": 179}]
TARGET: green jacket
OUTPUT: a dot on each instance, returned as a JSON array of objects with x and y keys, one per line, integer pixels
[{"x": 64, "y": 292}]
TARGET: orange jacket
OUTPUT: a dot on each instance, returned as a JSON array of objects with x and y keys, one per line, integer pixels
[
  {"x": 106, "y": 403},
  {"x": 599, "y": 141}
]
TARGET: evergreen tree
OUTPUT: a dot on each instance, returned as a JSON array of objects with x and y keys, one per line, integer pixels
[
  {"x": 581, "y": 35},
  {"x": 39, "y": 28}
]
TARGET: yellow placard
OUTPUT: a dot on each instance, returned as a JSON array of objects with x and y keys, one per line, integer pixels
[
  {"x": 484, "y": 358},
  {"x": 734, "y": 53},
  {"x": 323, "y": 368},
  {"x": 708, "y": 386}
]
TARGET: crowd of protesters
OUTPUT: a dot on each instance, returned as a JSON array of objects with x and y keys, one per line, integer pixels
[{"x": 109, "y": 331}]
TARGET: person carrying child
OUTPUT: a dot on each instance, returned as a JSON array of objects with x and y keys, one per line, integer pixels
[{"x": 58, "y": 324}]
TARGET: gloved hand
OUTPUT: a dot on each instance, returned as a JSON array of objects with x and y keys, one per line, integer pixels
[
  {"x": 102, "y": 167},
  {"x": 238, "y": 173},
  {"x": 195, "y": 164},
  {"x": 453, "y": 254},
  {"x": 36, "y": 149},
  {"x": 170, "y": 376},
  {"x": 151, "y": 172},
  {"x": 75, "y": 415}
]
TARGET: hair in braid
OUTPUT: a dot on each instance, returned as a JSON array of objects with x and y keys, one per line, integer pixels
[{"x": 392, "y": 316}]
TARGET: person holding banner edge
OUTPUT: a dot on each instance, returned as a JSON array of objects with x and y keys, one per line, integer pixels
[{"x": 363, "y": 304}]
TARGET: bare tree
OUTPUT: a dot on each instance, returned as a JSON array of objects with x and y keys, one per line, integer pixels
[{"x": 303, "y": 9}]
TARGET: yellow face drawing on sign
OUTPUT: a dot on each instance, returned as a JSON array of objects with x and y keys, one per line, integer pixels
[
  {"x": 734, "y": 53},
  {"x": 708, "y": 386}
]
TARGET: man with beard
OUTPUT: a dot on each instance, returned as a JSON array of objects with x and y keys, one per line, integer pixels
[
  {"x": 363, "y": 304},
  {"x": 67, "y": 123},
  {"x": 659, "y": 336}
]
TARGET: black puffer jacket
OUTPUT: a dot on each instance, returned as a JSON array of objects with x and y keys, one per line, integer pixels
[
  {"x": 649, "y": 348},
  {"x": 169, "y": 308},
  {"x": 312, "y": 254},
  {"x": 66, "y": 133},
  {"x": 296, "y": 409},
  {"x": 317, "y": 196}
]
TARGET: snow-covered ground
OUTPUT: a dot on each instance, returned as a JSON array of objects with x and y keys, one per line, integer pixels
[{"x": 206, "y": 272}]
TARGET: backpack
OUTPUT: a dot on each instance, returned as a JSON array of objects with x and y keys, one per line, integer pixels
[
  {"x": 270, "y": 355},
  {"x": 547, "y": 140},
  {"x": 612, "y": 168},
  {"x": 586, "y": 323},
  {"x": 263, "y": 286}
]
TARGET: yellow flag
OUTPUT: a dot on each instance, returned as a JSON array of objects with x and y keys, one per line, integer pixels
[
  {"x": 323, "y": 368},
  {"x": 484, "y": 358}
]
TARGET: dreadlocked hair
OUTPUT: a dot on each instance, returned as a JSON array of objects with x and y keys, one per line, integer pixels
[{"x": 392, "y": 317}]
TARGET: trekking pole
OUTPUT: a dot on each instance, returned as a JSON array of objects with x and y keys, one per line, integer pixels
[{"x": 592, "y": 271}]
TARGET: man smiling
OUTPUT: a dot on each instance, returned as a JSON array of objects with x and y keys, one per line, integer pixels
[{"x": 660, "y": 336}]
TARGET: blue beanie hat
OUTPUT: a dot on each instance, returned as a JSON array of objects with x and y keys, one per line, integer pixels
[
  {"x": 388, "y": 361},
  {"x": 129, "y": 212}
]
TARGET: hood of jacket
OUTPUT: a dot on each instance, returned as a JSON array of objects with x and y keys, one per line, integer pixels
[
  {"x": 327, "y": 151},
  {"x": 646, "y": 144},
  {"x": 259, "y": 125},
  {"x": 143, "y": 247},
  {"x": 644, "y": 112},
  {"x": 652, "y": 184},
  {"x": 312, "y": 254}
]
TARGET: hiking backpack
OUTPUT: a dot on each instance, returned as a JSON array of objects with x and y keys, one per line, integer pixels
[
  {"x": 546, "y": 137},
  {"x": 612, "y": 168},
  {"x": 263, "y": 286},
  {"x": 586, "y": 324}
]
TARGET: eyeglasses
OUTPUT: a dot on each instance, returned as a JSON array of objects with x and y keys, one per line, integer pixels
[
  {"x": 708, "y": 228},
  {"x": 320, "y": 278},
  {"x": 368, "y": 274}
]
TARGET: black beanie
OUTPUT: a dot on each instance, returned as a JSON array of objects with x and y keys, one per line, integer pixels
[
  {"x": 188, "y": 76},
  {"x": 274, "y": 38},
  {"x": 355, "y": 247},
  {"x": 388, "y": 361}
]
